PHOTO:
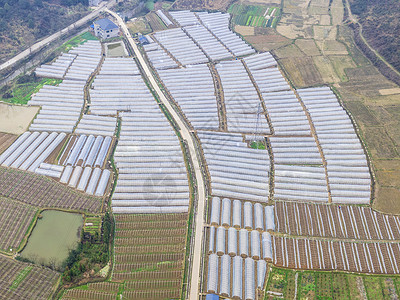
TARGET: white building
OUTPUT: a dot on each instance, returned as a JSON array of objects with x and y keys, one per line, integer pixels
[{"x": 105, "y": 29}]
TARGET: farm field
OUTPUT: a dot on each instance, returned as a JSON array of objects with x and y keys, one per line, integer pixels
[
  {"x": 150, "y": 255},
  {"x": 221, "y": 5},
  {"x": 15, "y": 220},
  {"x": 155, "y": 22},
  {"x": 43, "y": 192},
  {"x": 254, "y": 16},
  {"x": 329, "y": 285},
  {"x": 139, "y": 25},
  {"x": 20, "y": 280},
  {"x": 6, "y": 139},
  {"x": 15, "y": 119},
  {"x": 54, "y": 235}
]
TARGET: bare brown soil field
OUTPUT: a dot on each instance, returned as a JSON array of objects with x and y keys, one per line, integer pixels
[
  {"x": 15, "y": 119},
  {"x": 6, "y": 140},
  {"x": 43, "y": 192},
  {"x": 302, "y": 71},
  {"x": 20, "y": 280},
  {"x": 150, "y": 255},
  {"x": 266, "y": 39}
]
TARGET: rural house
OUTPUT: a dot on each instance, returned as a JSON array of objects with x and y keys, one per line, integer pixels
[{"x": 105, "y": 29}]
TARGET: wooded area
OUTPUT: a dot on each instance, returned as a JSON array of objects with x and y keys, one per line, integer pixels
[{"x": 381, "y": 25}]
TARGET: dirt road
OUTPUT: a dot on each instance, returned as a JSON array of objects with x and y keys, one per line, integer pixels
[{"x": 200, "y": 209}]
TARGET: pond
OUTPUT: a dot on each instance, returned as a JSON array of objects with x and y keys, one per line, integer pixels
[
  {"x": 53, "y": 236},
  {"x": 116, "y": 50}
]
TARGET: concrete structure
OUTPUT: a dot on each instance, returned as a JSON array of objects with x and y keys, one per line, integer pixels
[{"x": 105, "y": 29}]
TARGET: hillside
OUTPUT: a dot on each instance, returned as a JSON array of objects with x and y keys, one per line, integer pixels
[
  {"x": 381, "y": 25},
  {"x": 23, "y": 22}
]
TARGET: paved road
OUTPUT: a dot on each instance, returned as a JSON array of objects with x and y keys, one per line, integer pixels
[
  {"x": 200, "y": 212},
  {"x": 56, "y": 35}
]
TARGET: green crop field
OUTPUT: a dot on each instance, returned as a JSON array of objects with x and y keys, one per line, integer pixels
[
  {"x": 330, "y": 285},
  {"x": 92, "y": 225},
  {"x": 254, "y": 15}
]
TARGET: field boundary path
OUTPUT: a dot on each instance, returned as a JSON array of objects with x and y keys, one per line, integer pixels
[
  {"x": 186, "y": 135},
  {"x": 39, "y": 45}
]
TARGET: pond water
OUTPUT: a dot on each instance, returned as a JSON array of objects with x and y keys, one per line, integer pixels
[
  {"x": 116, "y": 50},
  {"x": 53, "y": 236}
]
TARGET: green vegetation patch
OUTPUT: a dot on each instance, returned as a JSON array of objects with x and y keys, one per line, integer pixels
[
  {"x": 330, "y": 285},
  {"x": 257, "y": 145},
  {"x": 21, "y": 90},
  {"x": 92, "y": 225},
  {"x": 254, "y": 15},
  {"x": 20, "y": 277},
  {"x": 76, "y": 41}
]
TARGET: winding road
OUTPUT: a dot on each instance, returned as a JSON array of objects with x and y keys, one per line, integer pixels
[{"x": 184, "y": 131}]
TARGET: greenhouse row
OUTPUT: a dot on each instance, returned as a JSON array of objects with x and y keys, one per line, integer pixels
[
  {"x": 152, "y": 172},
  {"x": 119, "y": 66},
  {"x": 300, "y": 183},
  {"x": 349, "y": 256},
  {"x": 269, "y": 80},
  {"x": 31, "y": 149},
  {"x": 242, "y": 103},
  {"x": 260, "y": 61},
  {"x": 218, "y": 24},
  {"x": 88, "y": 151},
  {"x": 286, "y": 114},
  {"x": 241, "y": 214},
  {"x": 176, "y": 42},
  {"x": 89, "y": 55},
  {"x": 235, "y": 277},
  {"x": 58, "y": 68},
  {"x": 207, "y": 42},
  {"x": 200, "y": 104},
  {"x": 126, "y": 91},
  {"x": 158, "y": 57},
  {"x": 299, "y": 172},
  {"x": 88, "y": 180},
  {"x": 240, "y": 242},
  {"x": 163, "y": 17},
  {"x": 340, "y": 145},
  {"x": 50, "y": 170},
  {"x": 184, "y": 17},
  {"x": 61, "y": 106},
  {"x": 96, "y": 125},
  {"x": 236, "y": 171}
]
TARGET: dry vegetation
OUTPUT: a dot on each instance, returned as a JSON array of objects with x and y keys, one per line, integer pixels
[{"x": 221, "y": 5}]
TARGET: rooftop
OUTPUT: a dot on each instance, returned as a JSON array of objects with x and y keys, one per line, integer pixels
[{"x": 105, "y": 24}]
